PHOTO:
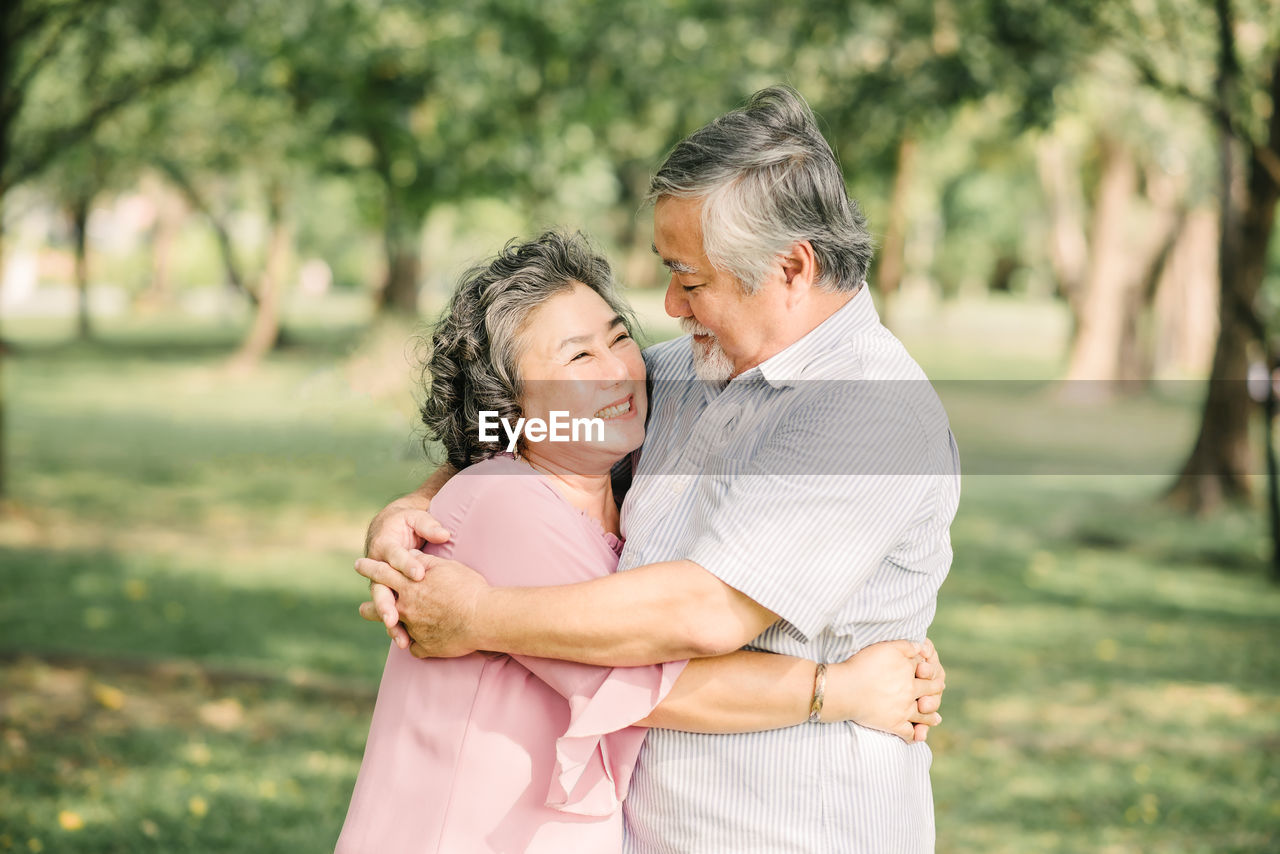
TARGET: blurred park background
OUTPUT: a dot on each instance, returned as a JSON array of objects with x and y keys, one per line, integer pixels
[{"x": 225, "y": 223}]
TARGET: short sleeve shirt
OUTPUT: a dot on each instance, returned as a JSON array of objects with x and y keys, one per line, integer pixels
[{"x": 822, "y": 484}]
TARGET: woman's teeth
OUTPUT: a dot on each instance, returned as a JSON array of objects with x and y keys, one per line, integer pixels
[{"x": 615, "y": 410}]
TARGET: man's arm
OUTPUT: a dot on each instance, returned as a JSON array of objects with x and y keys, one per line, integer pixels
[
  {"x": 409, "y": 515},
  {"x": 394, "y": 538},
  {"x": 660, "y": 612}
]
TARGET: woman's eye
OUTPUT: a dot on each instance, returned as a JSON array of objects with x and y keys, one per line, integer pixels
[
  {"x": 622, "y": 337},
  {"x": 690, "y": 288},
  {"x": 581, "y": 355}
]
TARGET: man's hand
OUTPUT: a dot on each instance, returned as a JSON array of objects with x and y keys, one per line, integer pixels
[
  {"x": 881, "y": 688},
  {"x": 395, "y": 538},
  {"x": 437, "y": 612}
]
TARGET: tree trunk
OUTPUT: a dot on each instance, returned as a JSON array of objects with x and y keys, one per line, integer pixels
[
  {"x": 1150, "y": 259},
  {"x": 1136, "y": 357},
  {"x": 892, "y": 255},
  {"x": 9, "y": 13},
  {"x": 640, "y": 269},
  {"x": 1186, "y": 304},
  {"x": 164, "y": 234},
  {"x": 1094, "y": 358},
  {"x": 1001, "y": 278},
  {"x": 220, "y": 231},
  {"x": 4, "y": 444},
  {"x": 1107, "y": 345},
  {"x": 634, "y": 233},
  {"x": 1220, "y": 461},
  {"x": 1068, "y": 246},
  {"x": 265, "y": 331},
  {"x": 79, "y": 214},
  {"x": 399, "y": 294},
  {"x": 225, "y": 250}
]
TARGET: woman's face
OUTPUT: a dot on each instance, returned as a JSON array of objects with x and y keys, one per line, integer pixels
[{"x": 578, "y": 358}]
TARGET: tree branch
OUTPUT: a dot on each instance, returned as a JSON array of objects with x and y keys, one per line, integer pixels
[
  {"x": 1152, "y": 78},
  {"x": 1269, "y": 160},
  {"x": 181, "y": 180},
  {"x": 44, "y": 151},
  {"x": 71, "y": 8},
  {"x": 13, "y": 99},
  {"x": 47, "y": 51},
  {"x": 1266, "y": 154},
  {"x": 22, "y": 28},
  {"x": 1217, "y": 108}
]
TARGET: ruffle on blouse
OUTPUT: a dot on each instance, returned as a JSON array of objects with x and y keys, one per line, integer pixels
[{"x": 595, "y": 756}]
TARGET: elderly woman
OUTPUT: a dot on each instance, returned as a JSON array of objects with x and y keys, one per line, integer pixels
[{"x": 509, "y": 753}]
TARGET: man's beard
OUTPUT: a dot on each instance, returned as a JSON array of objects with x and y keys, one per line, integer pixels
[{"x": 710, "y": 362}]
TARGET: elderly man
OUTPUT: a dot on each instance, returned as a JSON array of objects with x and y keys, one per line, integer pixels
[{"x": 796, "y": 500}]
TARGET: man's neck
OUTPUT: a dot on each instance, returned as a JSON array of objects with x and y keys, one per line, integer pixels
[{"x": 795, "y": 326}]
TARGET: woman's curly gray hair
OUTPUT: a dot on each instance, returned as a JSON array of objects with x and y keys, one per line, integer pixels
[{"x": 476, "y": 345}]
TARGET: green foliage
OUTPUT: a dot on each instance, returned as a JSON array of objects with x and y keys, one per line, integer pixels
[
  {"x": 560, "y": 110},
  {"x": 69, "y": 65}
]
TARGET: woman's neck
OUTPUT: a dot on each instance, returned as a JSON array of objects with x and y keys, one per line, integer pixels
[{"x": 590, "y": 493}]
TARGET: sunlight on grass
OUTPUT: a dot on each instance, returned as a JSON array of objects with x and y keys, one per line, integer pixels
[{"x": 182, "y": 669}]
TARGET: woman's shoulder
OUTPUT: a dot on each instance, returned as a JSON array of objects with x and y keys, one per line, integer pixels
[
  {"x": 511, "y": 525},
  {"x": 498, "y": 483},
  {"x": 498, "y": 464}
]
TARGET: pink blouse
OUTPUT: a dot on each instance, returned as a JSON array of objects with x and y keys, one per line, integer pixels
[{"x": 504, "y": 753}]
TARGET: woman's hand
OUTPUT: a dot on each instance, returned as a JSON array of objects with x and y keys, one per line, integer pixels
[{"x": 893, "y": 686}]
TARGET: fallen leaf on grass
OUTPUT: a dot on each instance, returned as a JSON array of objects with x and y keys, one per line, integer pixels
[
  {"x": 223, "y": 715},
  {"x": 107, "y": 696}
]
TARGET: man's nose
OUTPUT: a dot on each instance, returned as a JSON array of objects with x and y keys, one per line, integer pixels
[{"x": 675, "y": 302}]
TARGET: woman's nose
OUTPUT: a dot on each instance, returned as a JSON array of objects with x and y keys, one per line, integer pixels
[{"x": 614, "y": 368}]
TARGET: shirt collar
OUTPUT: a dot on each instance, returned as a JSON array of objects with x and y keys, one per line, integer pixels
[{"x": 787, "y": 366}]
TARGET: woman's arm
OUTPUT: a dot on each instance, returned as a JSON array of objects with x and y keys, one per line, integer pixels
[{"x": 747, "y": 691}]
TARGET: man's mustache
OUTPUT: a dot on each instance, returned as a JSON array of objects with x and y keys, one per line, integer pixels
[{"x": 689, "y": 326}]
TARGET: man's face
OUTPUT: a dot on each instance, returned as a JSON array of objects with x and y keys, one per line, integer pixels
[{"x": 729, "y": 328}]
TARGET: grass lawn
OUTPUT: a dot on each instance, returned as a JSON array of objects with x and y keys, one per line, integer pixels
[{"x": 182, "y": 670}]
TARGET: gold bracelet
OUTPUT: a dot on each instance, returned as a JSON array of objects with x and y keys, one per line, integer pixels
[{"x": 819, "y": 688}]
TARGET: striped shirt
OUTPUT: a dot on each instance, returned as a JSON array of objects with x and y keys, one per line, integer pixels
[{"x": 821, "y": 484}]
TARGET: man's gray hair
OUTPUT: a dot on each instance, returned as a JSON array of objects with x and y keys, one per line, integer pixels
[
  {"x": 767, "y": 179},
  {"x": 476, "y": 346}
]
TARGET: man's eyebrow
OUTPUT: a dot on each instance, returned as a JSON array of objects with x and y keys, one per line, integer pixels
[{"x": 673, "y": 265}]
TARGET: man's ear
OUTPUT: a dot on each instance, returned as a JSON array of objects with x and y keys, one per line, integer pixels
[{"x": 800, "y": 268}]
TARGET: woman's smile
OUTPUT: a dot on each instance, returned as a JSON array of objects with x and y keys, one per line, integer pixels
[{"x": 618, "y": 410}]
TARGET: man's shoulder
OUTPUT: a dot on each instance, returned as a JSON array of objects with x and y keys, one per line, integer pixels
[{"x": 870, "y": 394}]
